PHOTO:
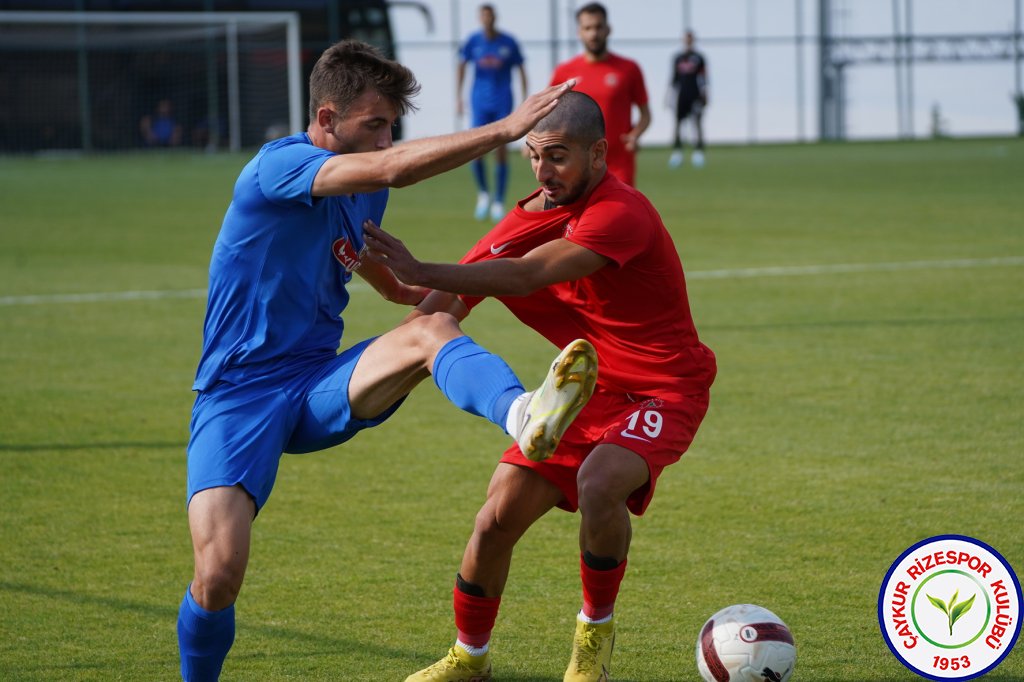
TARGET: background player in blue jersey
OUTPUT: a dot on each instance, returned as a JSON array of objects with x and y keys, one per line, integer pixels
[
  {"x": 493, "y": 55},
  {"x": 270, "y": 379}
]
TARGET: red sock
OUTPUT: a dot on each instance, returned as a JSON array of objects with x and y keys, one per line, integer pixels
[
  {"x": 600, "y": 588},
  {"x": 474, "y": 617}
]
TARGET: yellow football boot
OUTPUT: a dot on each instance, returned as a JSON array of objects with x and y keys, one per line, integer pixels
[
  {"x": 457, "y": 666},
  {"x": 591, "y": 652}
]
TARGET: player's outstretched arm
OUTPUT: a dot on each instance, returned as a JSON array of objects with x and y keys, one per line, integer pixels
[
  {"x": 390, "y": 287},
  {"x": 556, "y": 261},
  {"x": 440, "y": 302},
  {"x": 416, "y": 160}
]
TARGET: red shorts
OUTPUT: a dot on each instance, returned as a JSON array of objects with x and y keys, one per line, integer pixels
[{"x": 657, "y": 429}]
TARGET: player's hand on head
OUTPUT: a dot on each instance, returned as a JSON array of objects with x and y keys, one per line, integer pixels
[{"x": 534, "y": 108}]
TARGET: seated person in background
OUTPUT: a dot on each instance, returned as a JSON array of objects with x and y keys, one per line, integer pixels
[{"x": 161, "y": 129}]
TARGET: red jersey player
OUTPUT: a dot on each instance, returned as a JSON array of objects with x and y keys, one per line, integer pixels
[
  {"x": 615, "y": 83},
  {"x": 584, "y": 256}
]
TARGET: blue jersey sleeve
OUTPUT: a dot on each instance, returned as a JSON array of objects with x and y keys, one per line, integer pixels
[{"x": 285, "y": 172}]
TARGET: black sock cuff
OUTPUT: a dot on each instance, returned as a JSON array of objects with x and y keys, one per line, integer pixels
[
  {"x": 600, "y": 563},
  {"x": 469, "y": 588}
]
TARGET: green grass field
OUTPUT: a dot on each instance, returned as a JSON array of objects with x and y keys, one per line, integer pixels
[{"x": 857, "y": 411}]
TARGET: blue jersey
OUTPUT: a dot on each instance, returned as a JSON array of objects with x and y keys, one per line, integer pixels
[
  {"x": 492, "y": 69},
  {"x": 280, "y": 266}
]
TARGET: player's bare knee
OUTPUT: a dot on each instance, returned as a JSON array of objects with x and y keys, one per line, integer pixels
[
  {"x": 494, "y": 527},
  {"x": 596, "y": 496},
  {"x": 432, "y": 332},
  {"x": 440, "y": 325},
  {"x": 217, "y": 587}
]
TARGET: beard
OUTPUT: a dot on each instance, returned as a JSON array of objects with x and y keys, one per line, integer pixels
[
  {"x": 598, "y": 48},
  {"x": 570, "y": 194}
]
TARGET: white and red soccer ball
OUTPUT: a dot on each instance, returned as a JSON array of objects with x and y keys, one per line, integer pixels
[{"x": 745, "y": 643}]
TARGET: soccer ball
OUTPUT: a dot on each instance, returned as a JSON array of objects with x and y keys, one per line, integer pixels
[{"x": 745, "y": 643}]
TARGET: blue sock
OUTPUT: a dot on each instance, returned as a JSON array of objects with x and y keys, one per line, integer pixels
[
  {"x": 501, "y": 180},
  {"x": 479, "y": 174},
  {"x": 475, "y": 380},
  {"x": 204, "y": 638}
]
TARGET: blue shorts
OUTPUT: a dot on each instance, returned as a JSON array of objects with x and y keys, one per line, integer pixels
[{"x": 239, "y": 431}]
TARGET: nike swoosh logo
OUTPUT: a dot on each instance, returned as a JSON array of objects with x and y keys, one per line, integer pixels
[
  {"x": 630, "y": 435},
  {"x": 498, "y": 249}
]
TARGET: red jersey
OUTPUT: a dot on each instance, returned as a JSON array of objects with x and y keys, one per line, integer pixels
[
  {"x": 616, "y": 84},
  {"x": 634, "y": 310}
]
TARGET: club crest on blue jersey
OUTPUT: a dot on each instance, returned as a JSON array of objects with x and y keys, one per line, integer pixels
[{"x": 345, "y": 254}]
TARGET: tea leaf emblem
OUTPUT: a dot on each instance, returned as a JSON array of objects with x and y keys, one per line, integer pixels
[{"x": 954, "y": 610}]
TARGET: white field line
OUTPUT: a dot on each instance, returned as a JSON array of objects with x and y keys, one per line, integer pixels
[
  {"x": 42, "y": 299},
  {"x": 788, "y": 271},
  {"x": 732, "y": 273},
  {"x": 107, "y": 296}
]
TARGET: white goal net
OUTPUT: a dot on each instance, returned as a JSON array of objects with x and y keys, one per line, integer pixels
[{"x": 100, "y": 81}]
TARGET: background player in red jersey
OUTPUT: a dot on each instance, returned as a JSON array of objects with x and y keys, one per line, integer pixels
[
  {"x": 584, "y": 256},
  {"x": 615, "y": 83},
  {"x": 690, "y": 87}
]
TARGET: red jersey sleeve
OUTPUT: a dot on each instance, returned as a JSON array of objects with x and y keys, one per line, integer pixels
[{"x": 614, "y": 224}]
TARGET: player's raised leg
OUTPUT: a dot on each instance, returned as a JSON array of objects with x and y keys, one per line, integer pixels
[
  {"x": 474, "y": 379},
  {"x": 545, "y": 416}
]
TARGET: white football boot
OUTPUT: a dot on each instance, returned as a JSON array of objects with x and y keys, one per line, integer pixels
[{"x": 547, "y": 412}]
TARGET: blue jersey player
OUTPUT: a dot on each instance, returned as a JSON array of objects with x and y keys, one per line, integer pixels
[
  {"x": 270, "y": 379},
  {"x": 493, "y": 54}
]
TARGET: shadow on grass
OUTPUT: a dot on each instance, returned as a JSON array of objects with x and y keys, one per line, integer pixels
[{"x": 169, "y": 613}]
